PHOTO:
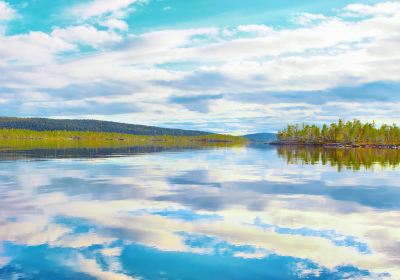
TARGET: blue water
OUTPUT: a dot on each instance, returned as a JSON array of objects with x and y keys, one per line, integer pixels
[{"x": 234, "y": 213}]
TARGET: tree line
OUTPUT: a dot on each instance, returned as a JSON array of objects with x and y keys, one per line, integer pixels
[
  {"x": 31, "y": 139},
  {"x": 45, "y": 124},
  {"x": 351, "y": 132}
]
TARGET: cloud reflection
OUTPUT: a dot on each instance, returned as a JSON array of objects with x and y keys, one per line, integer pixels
[{"x": 238, "y": 208}]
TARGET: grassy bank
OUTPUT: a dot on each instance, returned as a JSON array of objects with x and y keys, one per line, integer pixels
[{"x": 30, "y": 139}]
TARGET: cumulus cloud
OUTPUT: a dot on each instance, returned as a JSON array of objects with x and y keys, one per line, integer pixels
[
  {"x": 172, "y": 72},
  {"x": 35, "y": 47}
]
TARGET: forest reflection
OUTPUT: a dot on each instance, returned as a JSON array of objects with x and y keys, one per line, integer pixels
[{"x": 343, "y": 159}]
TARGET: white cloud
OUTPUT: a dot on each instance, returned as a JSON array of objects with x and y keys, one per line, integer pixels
[
  {"x": 112, "y": 252},
  {"x": 97, "y": 8},
  {"x": 31, "y": 48},
  {"x": 321, "y": 53},
  {"x": 82, "y": 240},
  {"x": 86, "y": 35},
  {"x": 379, "y": 9},
  {"x": 6, "y": 11},
  {"x": 255, "y": 255},
  {"x": 115, "y": 24},
  {"x": 308, "y": 18},
  {"x": 255, "y": 28},
  {"x": 91, "y": 267}
]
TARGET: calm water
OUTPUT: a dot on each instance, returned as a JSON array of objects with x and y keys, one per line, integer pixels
[{"x": 239, "y": 213}]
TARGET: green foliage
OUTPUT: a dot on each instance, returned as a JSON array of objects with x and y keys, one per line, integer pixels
[
  {"x": 351, "y": 132},
  {"x": 43, "y": 124},
  {"x": 30, "y": 139}
]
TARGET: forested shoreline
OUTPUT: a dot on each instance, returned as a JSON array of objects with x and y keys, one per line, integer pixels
[
  {"x": 342, "y": 134},
  {"x": 87, "y": 125},
  {"x": 26, "y": 139}
]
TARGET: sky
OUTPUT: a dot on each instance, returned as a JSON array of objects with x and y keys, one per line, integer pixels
[{"x": 228, "y": 66}]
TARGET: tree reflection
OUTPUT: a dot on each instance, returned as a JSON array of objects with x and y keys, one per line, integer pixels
[{"x": 350, "y": 159}]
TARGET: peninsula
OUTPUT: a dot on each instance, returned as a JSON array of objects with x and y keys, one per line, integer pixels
[
  {"x": 41, "y": 133},
  {"x": 351, "y": 134}
]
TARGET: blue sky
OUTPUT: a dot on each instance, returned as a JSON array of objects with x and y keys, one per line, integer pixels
[{"x": 224, "y": 66}]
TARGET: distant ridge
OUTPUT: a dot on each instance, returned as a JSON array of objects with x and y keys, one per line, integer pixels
[
  {"x": 261, "y": 137},
  {"x": 45, "y": 124}
]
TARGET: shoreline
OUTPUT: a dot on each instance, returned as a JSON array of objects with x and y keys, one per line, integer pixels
[
  {"x": 20, "y": 138},
  {"x": 339, "y": 145}
]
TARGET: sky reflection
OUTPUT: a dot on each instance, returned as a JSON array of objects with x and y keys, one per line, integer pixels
[{"x": 239, "y": 213}]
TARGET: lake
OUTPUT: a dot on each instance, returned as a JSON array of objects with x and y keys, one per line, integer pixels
[{"x": 257, "y": 212}]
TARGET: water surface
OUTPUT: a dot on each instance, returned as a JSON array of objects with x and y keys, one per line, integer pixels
[{"x": 235, "y": 213}]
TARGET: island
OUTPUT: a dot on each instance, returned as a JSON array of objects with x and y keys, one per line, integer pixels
[{"x": 350, "y": 134}]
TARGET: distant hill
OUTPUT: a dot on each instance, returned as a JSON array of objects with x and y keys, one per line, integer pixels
[
  {"x": 44, "y": 124},
  {"x": 261, "y": 137}
]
